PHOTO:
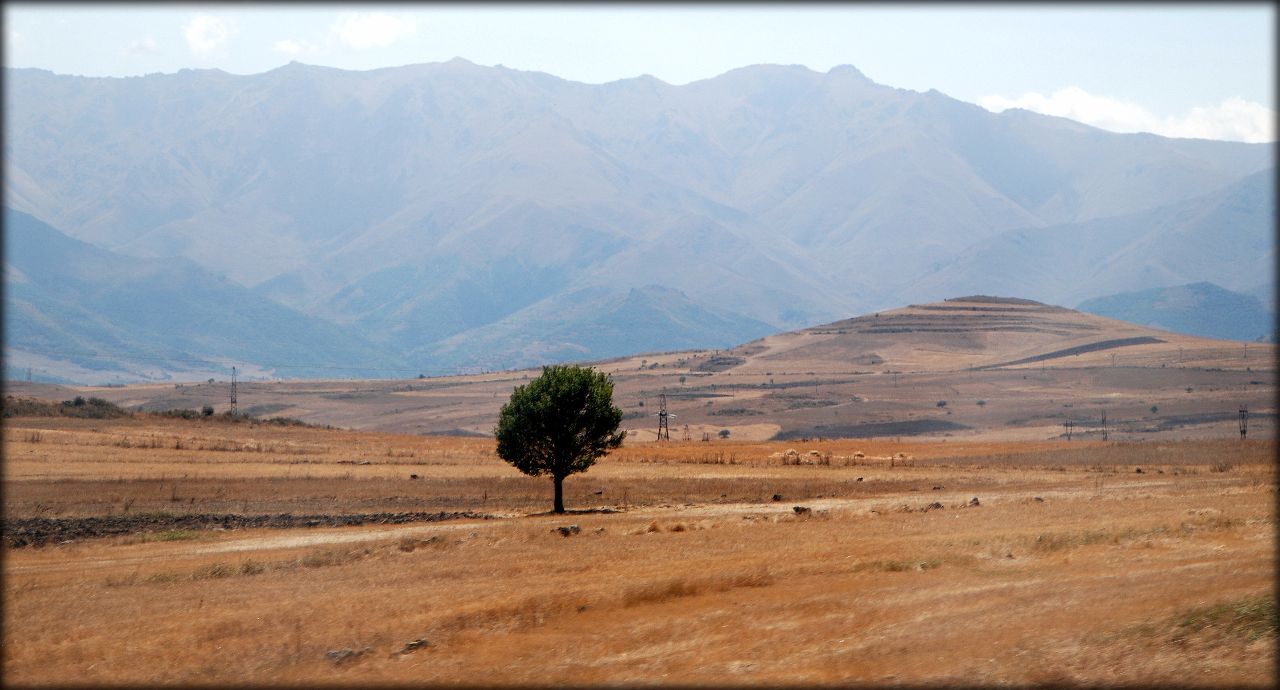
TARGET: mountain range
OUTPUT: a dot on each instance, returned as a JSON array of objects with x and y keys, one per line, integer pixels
[{"x": 451, "y": 215}]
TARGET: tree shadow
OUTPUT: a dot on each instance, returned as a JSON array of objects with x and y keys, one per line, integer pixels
[{"x": 576, "y": 511}]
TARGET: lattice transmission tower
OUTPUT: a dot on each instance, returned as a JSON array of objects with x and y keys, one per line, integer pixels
[{"x": 664, "y": 427}]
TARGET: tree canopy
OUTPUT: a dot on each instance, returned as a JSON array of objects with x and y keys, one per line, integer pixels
[{"x": 559, "y": 423}]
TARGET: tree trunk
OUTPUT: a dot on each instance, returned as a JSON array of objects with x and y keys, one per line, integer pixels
[{"x": 559, "y": 508}]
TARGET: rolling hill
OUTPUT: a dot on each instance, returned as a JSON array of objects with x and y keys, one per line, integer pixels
[{"x": 964, "y": 367}]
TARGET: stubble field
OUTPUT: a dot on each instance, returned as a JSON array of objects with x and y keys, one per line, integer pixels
[{"x": 690, "y": 562}]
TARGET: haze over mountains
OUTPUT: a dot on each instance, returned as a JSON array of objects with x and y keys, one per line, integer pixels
[
  {"x": 448, "y": 214},
  {"x": 66, "y": 301},
  {"x": 1198, "y": 309}
]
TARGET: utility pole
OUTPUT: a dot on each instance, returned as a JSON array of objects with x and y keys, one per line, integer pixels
[
  {"x": 1104, "y": 425},
  {"x": 1244, "y": 422},
  {"x": 233, "y": 391},
  {"x": 1067, "y": 424}
]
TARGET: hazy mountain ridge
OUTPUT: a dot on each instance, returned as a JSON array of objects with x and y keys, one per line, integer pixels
[
  {"x": 75, "y": 312},
  {"x": 1225, "y": 237},
  {"x": 614, "y": 321},
  {"x": 1201, "y": 309},
  {"x": 422, "y": 202},
  {"x": 128, "y": 319}
]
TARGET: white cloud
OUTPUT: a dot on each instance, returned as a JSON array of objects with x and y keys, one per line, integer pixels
[
  {"x": 146, "y": 46},
  {"x": 206, "y": 34},
  {"x": 15, "y": 39},
  {"x": 1234, "y": 119},
  {"x": 289, "y": 46},
  {"x": 362, "y": 30}
]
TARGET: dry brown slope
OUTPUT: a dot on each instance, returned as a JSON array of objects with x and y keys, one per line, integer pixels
[
  {"x": 976, "y": 331},
  {"x": 1009, "y": 367}
]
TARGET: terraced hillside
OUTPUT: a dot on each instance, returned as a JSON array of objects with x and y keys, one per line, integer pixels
[
  {"x": 987, "y": 332},
  {"x": 972, "y": 366}
]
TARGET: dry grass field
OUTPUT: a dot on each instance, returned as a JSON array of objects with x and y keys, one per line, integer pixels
[
  {"x": 919, "y": 518},
  {"x": 728, "y": 562}
]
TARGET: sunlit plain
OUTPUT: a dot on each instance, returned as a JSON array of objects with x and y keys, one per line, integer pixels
[{"x": 690, "y": 564}]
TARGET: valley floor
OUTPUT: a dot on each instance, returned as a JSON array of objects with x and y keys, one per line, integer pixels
[{"x": 689, "y": 564}]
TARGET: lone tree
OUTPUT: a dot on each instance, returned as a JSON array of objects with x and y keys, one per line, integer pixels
[{"x": 559, "y": 423}]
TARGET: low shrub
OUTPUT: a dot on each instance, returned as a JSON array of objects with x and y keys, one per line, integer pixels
[
  {"x": 91, "y": 408},
  {"x": 1252, "y": 618}
]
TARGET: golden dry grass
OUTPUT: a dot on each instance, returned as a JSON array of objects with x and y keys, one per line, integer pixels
[
  {"x": 65, "y": 467},
  {"x": 702, "y": 579}
]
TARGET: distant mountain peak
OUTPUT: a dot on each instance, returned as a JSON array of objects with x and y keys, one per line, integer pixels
[
  {"x": 848, "y": 72},
  {"x": 768, "y": 68},
  {"x": 294, "y": 68},
  {"x": 641, "y": 79}
]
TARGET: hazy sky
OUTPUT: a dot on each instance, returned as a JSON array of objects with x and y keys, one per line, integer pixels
[{"x": 1178, "y": 70}]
